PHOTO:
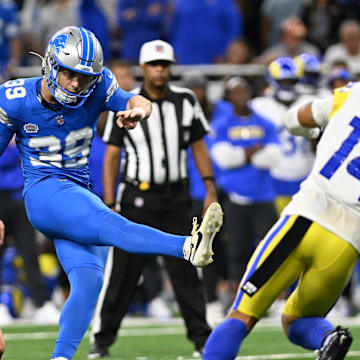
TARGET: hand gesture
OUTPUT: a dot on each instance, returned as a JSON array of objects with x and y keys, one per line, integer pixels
[{"x": 128, "y": 119}]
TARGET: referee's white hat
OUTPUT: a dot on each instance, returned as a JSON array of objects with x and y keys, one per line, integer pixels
[{"x": 156, "y": 50}]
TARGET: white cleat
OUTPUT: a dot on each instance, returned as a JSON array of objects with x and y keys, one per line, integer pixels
[{"x": 198, "y": 247}]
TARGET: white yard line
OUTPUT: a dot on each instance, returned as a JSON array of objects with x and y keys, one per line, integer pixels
[{"x": 289, "y": 356}]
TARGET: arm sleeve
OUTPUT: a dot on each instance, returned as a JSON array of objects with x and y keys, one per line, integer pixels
[
  {"x": 199, "y": 125},
  {"x": 113, "y": 134}
]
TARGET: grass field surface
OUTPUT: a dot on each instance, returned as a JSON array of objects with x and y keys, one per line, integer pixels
[{"x": 143, "y": 340}]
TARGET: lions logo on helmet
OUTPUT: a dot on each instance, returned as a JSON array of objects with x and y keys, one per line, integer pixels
[
  {"x": 310, "y": 70},
  {"x": 59, "y": 42},
  {"x": 77, "y": 49},
  {"x": 283, "y": 74}
]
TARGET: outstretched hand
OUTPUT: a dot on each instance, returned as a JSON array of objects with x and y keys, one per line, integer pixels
[{"x": 128, "y": 119}]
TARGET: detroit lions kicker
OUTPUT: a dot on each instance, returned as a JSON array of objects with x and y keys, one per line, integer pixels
[
  {"x": 54, "y": 120},
  {"x": 316, "y": 239}
]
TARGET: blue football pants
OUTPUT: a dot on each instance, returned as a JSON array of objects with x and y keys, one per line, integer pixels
[{"x": 82, "y": 227}]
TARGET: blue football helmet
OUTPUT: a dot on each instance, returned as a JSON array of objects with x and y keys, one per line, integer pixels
[
  {"x": 77, "y": 49},
  {"x": 283, "y": 74},
  {"x": 338, "y": 74},
  {"x": 310, "y": 71}
]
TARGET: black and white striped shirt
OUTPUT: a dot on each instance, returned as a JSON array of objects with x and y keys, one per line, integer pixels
[{"x": 156, "y": 150}]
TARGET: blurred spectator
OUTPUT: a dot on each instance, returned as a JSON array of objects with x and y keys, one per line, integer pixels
[
  {"x": 140, "y": 21},
  {"x": 251, "y": 15},
  {"x": 274, "y": 13},
  {"x": 322, "y": 19},
  {"x": 244, "y": 146},
  {"x": 52, "y": 17},
  {"x": 10, "y": 46},
  {"x": 40, "y": 19},
  {"x": 339, "y": 63},
  {"x": 201, "y": 30},
  {"x": 237, "y": 53},
  {"x": 92, "y": 17},
  {"x": 292, "y": 42},
  {"x": 348, "y": 48},
  {"x": 196, "y": 81},
  {"x": 12, "y": 211}
]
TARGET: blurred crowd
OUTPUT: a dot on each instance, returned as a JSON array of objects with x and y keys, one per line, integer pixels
[
  {"x": 201, "y": 32},
  {"x": 309, "y": 48}
]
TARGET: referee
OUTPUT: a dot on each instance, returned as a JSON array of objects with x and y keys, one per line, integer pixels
[{"x": 154, "y": 191}]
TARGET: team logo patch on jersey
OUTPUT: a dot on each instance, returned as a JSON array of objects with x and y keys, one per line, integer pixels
[
  {"x": 60, "y": 120},
  {"x": 59, "y": 42},
  {"x": 31, "y": 128}
]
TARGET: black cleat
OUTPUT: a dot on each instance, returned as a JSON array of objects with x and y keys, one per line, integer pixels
[
  {"x": 97, "y": 352},
  {"x": 336, "y": 345}
]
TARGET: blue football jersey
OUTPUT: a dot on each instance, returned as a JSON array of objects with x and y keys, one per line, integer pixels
[{"x": 54, "y": 140}]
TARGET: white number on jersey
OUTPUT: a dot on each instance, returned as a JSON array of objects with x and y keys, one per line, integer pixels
[
  {"x": 53, "y": 157},
  {"x": 14, "y": 89}
]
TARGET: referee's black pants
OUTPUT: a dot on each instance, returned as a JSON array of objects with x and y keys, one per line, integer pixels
[{"x": 167, "y": 210}]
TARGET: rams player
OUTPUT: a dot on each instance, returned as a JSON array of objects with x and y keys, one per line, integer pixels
[
  {"x": 54, "y": 120},
  {"x": 316, "y": 239},
  {"x": 296, "y": 154}
]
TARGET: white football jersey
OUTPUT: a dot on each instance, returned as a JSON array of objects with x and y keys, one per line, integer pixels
[
  {"x": 330, "y": 195},
  {"x": 297, "y": 157}
]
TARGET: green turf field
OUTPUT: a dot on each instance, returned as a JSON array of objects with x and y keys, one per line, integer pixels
[{"x": 160, "y": 342}]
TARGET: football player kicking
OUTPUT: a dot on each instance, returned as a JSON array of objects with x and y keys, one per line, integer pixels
[
  {"x": 54, "y": 119},
  {"x": 316, "y": 239}
]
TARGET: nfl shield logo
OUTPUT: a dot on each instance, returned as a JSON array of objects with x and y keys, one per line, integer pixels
[{"x": 60, "y": 120}]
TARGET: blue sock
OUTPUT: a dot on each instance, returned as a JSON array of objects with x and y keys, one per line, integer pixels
[
  {"x": 86, "y": 283},
  {"x": 309, "y": 332},
  {"x": 225, "y": 340}
]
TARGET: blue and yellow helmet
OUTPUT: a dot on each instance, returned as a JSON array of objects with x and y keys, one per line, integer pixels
[
  {"x": 283, "y": 74},
  {"x": 310, "y": 69},
  {"x": 283, "y": 68}
]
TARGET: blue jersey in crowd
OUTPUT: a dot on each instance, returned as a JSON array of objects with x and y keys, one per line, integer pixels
[
  {"x": 8, "y": 29},
  {"x": 248, "y": 181},
  {"x": 55, "y": 140},
  {"x": 140, "y": 21},
  {"x": 202, "y": 30}
]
